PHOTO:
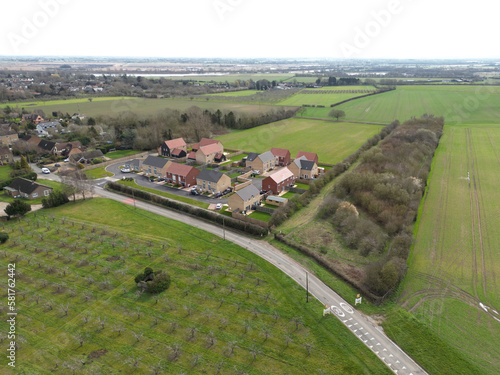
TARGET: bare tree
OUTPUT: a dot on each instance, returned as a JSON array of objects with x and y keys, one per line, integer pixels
[
  {"x": 288, "y": 340},
  {"x": 192, "y": 332},
  {"x": 210, "y": 339},
  {"x": 231, "y": 347},
  {"x": 218, "y": 367},
  {"x": 298, "y": 320},
  {"x": 254, "y": 351},
  {"x": 195, "y": 359},
  {"x": 138, "y": 336},
  {"x": 266, "y": 332},
  {"x": 308, "y": 346},
  {"x": 175, "y": 348}
]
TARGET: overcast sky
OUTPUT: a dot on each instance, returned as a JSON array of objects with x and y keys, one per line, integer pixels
[{"x": 251, "y": 28}]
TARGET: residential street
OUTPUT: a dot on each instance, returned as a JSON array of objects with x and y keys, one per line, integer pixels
[{"x": 360, "y": 325}]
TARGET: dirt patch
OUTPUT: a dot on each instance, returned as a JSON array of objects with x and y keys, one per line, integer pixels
[
  {"x": 113, "y": 258},
  {"x": 97, "y": 354}
]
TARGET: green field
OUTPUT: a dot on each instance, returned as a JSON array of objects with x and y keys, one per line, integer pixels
[
  {"x": 237, "y": 93},
  {"x": 458, "y": 104},
  {"x": 226, "y": 310},
  {"x": 326, "y": 95},
  {"x": 236, "y": 77},
  {"x": 455, "y": 264},
  {"x": 113, "y": 106},
  {"x": 121, "y": 153},
  {"x": 332, "y": 141}
]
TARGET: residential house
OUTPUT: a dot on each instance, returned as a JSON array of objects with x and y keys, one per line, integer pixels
[
  {"x": 8, "y": 137},
  {"x": 212, "y": 181},
  {"x": 182, "y": 174},
  {"x": 86, "y": 157},
  {"x": 262, "y": 163},
  {"x": 207, "y": 154},
  {"x": 34, "y": 118},
  {"x": 46, "y": 146},
  {"x": 283, "y": 156},
  {"x": 191, "y": 155},
  {"x": 303, "y": 168},
  {"x": 32, "y": 139},
  {"x": 66, "y": 149},
  {"x": 173, "y": 148},
  {"x": 155, "y": 166},
  {"x": 244, "y": 199},
  {"x": 28, "y": 189},
  {"x": 206, "y": 142},
  {"x": 278, "y": 181},
  {"x": 43, "y": 127},
  {"x": 6, "y": 156},
  {"x": 134, "y": 165},
  {"x": 309, "y": 156}
]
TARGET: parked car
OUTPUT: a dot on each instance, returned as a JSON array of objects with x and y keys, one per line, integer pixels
[
  {"x": 45, "y": 170},
  {"x": 194, "y": 192},
  {"x": 125, "y": 170},
  {"x": 218, "y": 206},
  {"x": 66, "y": 160},
  {"x": 161, "y": 179},
  {"x": 57, "y": 165}
]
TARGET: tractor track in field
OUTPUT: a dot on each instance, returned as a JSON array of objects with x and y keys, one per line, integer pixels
[{"x": 476, "y": 184}]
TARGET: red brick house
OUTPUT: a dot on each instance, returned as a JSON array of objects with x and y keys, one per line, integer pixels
[
  {"x": 283, "y": 156},
  {"x": 278, "y": 181},
  {"x": 181, "y": 174},
  {"x": 311, "y": 156}
]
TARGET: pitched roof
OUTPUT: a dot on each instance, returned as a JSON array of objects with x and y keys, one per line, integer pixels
[
  {"x": 281, "y": 152},
  {"x": 26, "y": 186},
  {"x": 192, "y": 155},
  {"x": 267, "y": 156},
  {"x": 155, "y": 161},
  {"x": 307, "y": 165},
  {"x": 32, "y": 139},
  {"x": 298, "y": 161},
  {"x": 176, "y": 151},
  {"x": 208, "y": 141},
  {"x": 281, "y": 175},
  {"x": 5, "y": 150},
  {"x": 48, "y": 124},
  {"x": 210, "y": 149},
  {"x": 210, "y": 175},
  {"x": 248, "y": 192},
  {"x": 308, "y": 155},
  {"x": 175, "y": 143},
  {"x": 7, "y": 132},
  {"x": 252, "y": 156},
  {"x": 135, "y": 163},
  {"x": 46, "y": 145},
  {"x": 179, "y": 169}
]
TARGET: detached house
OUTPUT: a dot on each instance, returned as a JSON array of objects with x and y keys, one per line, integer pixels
[
  {"x": 43, "y": 127},
  {"x": 66, "y": 149},
  {"x": 5, "y": 156},
  {"x": 46, "y": 146},
  {"x": 8, "y": 137},
  {"x": 176, "y": 148},
  {"x": 155, "y": 166},
  {"x": 303, "y": 168},
  {"x": 207, "y": 154},
  {"x": 86, "y": 157},
  {"x": 278, "y": 181},
  {"x": 308, "y": 155},
  {"x": 28, "y": 189},
  {"x": 181, "y": 174},
  {"x": 262, "y": 162},
  {"x": 206, "y": 142},
  {"x": 212, "y": 181},
  {"x": 34, "y": 118},
  {"x": 244, "y": 199},
  {"x": 282, "y": 155}
]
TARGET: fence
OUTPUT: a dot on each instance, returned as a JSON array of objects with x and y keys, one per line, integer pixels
[
  {"x": 242, "y": 185},
  {"x": 265, "y": 209}
]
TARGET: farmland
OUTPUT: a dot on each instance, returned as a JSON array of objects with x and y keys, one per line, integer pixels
[
  {"x": 458, "y": 104},
  {"x": 113, "y": 106},
  {"x": 326, "y": 95},
  {"x": 332, "y": 141},
  {"x": 226, "y": 309},
  {"x": 454, "y": 266}
]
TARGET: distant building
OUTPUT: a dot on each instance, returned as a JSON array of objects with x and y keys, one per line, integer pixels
[
  {"x": 278, "y": 181},
  {"x": 6, "y": 156},
  {"x": 174, "y": 148},
  {"x": 213, "y": 181},
  {"x": 34, "y": 118},
  {"x": 24, "y": 188},
  {"x": 8, "y": 137},
  {"x": 155, "y": 166},
  {"x": 262, "y": 162},
  {"x": 182, "y": 174},
  {"x": 282, "y": 155},
  {"x": 309, "y": 156}
]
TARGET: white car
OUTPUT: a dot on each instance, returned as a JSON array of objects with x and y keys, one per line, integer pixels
[
  {"x": 66, "y": 160},
  {"x": 218, "y": 206},
  {"x": 45, "y": 170},
  {"x": 125, "y": 170}
]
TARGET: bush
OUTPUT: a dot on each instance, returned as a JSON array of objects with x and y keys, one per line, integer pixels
[
  {"x": 81, "y": 166},
  {"x": 160, "y": 283},
  {"x": 55, "y": 199},
  {"x": 3, "y": 237},
  {"x": 18, "y": 207}
]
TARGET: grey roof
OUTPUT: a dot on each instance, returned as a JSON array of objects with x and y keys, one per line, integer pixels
[
  {"x": 267, "y": 156},
  {"x": 155, "y": 161},
  {"x": 276, "y": 199},
  {"x": 252, "y": 156},
  {"x": 49, "y": 124},
  {"x": 248, "y": 192},
  {"x": 26, "y": 186},
  {"x": 307, "y": 165},
  {"x": 209, "y": 175},
  {"x": 46, "y": 145},
  {"x": 297, "y": 161},
  {"x": 87, "y": 155},
  {"x": 135, "y": 163}
]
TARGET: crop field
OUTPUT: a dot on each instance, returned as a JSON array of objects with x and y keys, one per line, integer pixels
[
  {"x": 115, "y": 105},
  {"x": 226, "y": 310},
  {"x": 237, "y": 93},
  {"x": 458, "y": 104},
  {"x": 453, "y": 283},
  {"x": 326, "y": 95},
  {"x": 332, "y": 141},
  {"x": 235, "y": 77}
]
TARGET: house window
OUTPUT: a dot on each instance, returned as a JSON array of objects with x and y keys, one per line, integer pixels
[
  {"x": 35, "y": 195},
  {"x": 203, "y": 184},
  {"x": 155, "y": 171},
  {"x": 174, "y": 177},
  {"x": 149, "y": 169},
  {"x": 46, "y": 193}
]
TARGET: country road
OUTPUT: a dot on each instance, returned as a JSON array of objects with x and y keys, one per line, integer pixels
[{"x": 370, "y": 334}]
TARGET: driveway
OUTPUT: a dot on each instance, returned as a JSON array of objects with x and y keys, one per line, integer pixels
[{"x": 359, "y": 324}]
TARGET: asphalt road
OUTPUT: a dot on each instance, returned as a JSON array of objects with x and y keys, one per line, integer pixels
[{"x": 360, "y": 325}]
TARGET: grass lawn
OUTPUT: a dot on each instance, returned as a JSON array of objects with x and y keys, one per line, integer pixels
[
  {"x": 236, "y": 174},
  {"x": 165, "y": 194},
  {"x": 300, "y": 185},
  {"x": 82, "y": 309},
  {"x": 271, "y": 206},
  {"x": 238, "y": 157},
  {"x": 96, "y": 173},
  {"x": 121, "y": 153},
  {"x": 262, "y": 216},
  {"x": 326, "y": 95},
  {"x": 288, "y": 195},
  {"x": 332, "y": 141},
  {"x": 5, "y": 172}
]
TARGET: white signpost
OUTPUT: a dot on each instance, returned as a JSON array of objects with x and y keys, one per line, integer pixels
[{"x": 358, "y": 300}]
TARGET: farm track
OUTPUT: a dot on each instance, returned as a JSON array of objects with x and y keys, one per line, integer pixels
[{"x": 476, "y": 186}]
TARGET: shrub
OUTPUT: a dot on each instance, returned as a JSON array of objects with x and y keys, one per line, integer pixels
[
  {"x": 160, "y": 283},
  {"x": 3, "y": 237},
  {"x": 55, "y": 199},
  {"x": 81, "y": 166}
]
